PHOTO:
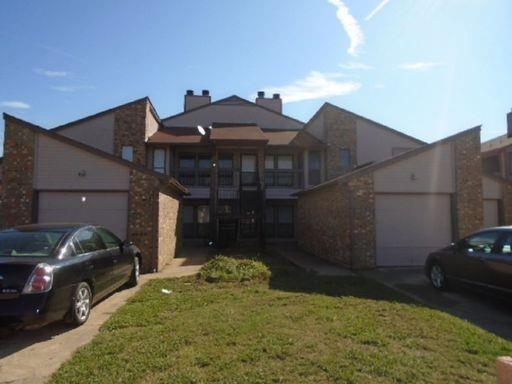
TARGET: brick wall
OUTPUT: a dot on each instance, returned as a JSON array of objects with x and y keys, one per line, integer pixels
[
  {"x": 507, "y": 203},
  {"x": 468, "y": 184},
  {"x": 18, "y": 175},
  {"x": 142, "y": 215},
  {"x": 130, "y": 130},
  {"x": 323, "y": 227},
  {"x": 168, "y": 228},
  {"x": 363, "y": 239},
  {"x": 340, "y": 132}
]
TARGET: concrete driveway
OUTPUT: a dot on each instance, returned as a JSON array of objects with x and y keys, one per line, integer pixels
[
  {"x": 490, "y": 313},
  {"x": 32, "y": 356}
]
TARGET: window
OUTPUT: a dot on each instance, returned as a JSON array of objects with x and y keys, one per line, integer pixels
[
  {"x": 203, "y": 221},
  {"x": 225, "y": 209},
  {"x": 225, "y": 170},
  {"x": 110, "y": 240},
  {"x": 159, "y": 160},
  {"x": 269, "y": 162},
  {"x": 345, "y": 161},
  {"x": 127, "y": 153},
  {"x": 204, "y": 162},
  {"x": 492, "y": 165},
  {"x": 314, "y": 167},
  {"x": 187, "y": 161},
  {"x": 195, "y": 169},
  {"x": 29, "y": 244},
  {"x": 249, "y": 167},
  {"x": 506, "y": 247},
  {"x": 481, "y": 242},
  {"x": 89, "y": 241}
]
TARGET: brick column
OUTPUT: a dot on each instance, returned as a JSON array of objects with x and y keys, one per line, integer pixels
[
  {"x": 18, "y": 175},
  {"x": 506, "y": 189},
  {"x": 362, "y": 222},
  {"x": 468, "y": 184},
  {"x": 130, "y": 130},
  {"x": 340, "y": 132}
]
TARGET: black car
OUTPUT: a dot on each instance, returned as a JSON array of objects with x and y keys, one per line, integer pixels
[
  {"x": 53, "y": 271},
  {"x": 483, "y": 259}
]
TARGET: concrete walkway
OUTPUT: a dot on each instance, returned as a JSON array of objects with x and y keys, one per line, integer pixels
[
  {"x": 32, "y": 356},
  {"x": 308, "y": 262}
]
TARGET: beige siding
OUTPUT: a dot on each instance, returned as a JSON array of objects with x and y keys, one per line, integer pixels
[
  {"x": 233, "y": 114},
  {"x": 58, "y": 166},
  {"x": 97, "y": 132},
  {"x": 109, "y": 209},
  {"x": 375, "y": 143},
  {"x": 168, "y": 227},
  {"x": 491, "y": 188},
  {"x": 409, "y": 227},
  {"x": 151, "y": 123},
  {"x": 429, "y": 171},
  {"x": 316, "y": 127}
]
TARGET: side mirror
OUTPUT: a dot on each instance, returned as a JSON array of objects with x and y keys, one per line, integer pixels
[{"x": 125, "y": 244}]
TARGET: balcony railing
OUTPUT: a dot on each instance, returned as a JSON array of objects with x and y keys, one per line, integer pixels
[
  {"x": 289, "y": 178},
  {"x": 194, "y": 177}
]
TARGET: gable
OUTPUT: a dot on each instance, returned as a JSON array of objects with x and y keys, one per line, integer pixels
[{"x": 233, "y": 111}]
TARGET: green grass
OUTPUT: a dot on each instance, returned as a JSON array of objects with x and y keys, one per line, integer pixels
[{"x": 294, "y": 328}]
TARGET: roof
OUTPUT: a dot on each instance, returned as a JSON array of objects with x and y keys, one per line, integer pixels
[
  {"x": 379, "y": 125},
  {"x": 107, "y": 111},
  {"x": 177, "y": 136},
  {"x": 173, "y": 183},
  {"x": 238, "y": 134},
  {"x": 230, "y": 100},
  {"x": 383, "y": 163},
  {"x": 496, "y": 143}
]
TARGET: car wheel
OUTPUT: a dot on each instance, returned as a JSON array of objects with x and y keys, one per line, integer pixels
[
  {"x": 134, "y": 277},
  {"x": 437, "y": 276},
  {"x": 81, "y": 303}
]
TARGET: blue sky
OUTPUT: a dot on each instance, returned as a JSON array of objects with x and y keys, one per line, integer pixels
[{"x": 429, "y": 68}]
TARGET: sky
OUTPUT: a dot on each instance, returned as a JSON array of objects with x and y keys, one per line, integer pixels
[{"x": 429, "y": 68}]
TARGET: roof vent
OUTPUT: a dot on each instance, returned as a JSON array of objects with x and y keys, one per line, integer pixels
[
  {"x": 206, "y": 92},
  {"x": 276, "y": 96},
  {"x": 195, "y": 101},
  {"x": 261, "y": 94},
  {"x": 190, "y": 92},
  {"x": 274, "y": 103}
]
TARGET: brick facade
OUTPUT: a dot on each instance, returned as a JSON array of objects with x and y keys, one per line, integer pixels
[
  {"x": 18, "y": 175},
  {"x": 340, "y": 133},
  {"x": 130, "y": 130},
  {"x": 363, "y": 238},
  {"x": 468, "y": 184},
  {"x": 153, "y": 220},
  {"x": 169, "y": 228},
  {"x": 507, "y": 203},
  {"x": 323, "y": 224}
]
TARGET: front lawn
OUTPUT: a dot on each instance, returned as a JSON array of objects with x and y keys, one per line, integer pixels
[{"x": 295, "y": 328}]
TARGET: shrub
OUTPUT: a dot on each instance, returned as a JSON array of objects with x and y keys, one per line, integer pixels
[{"x": 227, "y": 269}]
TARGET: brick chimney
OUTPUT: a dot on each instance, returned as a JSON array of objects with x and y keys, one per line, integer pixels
[
  {"x": 194, "y": 101},
  {"x": 274, "y": 103}
]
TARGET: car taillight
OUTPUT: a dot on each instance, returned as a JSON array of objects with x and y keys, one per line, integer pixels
[{"x": 40, "y": 280}]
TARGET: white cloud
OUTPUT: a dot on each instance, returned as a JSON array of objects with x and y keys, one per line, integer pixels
[
  {"x": 48, "y": 73},
  {"x": 351, "y": 26},
  {"x": 315, "y": 86},
  {"x": 420, "y": 65},
  {"x": 376, "y": 10},
  {"x": 15, "y": 104},
  {"x": 355, "y": 65},
  {"x": 70, "y": 88}
]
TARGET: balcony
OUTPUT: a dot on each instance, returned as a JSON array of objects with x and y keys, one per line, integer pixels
[
  {"x": 194, "y": 177},
  {"x": 289, "y": 178}
]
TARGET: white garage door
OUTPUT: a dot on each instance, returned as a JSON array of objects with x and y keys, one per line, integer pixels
[
  {"x": 409, "y": 226},
  {"x": 491, "y": 215},
  {"x": 109, "y": 209}
]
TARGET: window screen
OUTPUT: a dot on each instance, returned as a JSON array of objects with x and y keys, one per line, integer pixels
[{"x": 159, "y": 160}]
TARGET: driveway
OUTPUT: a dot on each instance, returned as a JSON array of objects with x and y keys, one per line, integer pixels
[
  {"x": 32, "y": 356},
  {"x": 492, "y": 314}
]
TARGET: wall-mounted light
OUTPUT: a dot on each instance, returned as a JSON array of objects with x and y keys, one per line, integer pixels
[
  {"x": 82, "y": 173},
  {"x": 84, "y": 199}
]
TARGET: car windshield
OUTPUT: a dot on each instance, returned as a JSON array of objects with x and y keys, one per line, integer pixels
[{"x": 29, "y": 243}]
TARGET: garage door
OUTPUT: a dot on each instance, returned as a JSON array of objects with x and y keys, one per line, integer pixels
[
  {"x": 410, "y": 226},
  {"x": 491, "y": 215},
  {"x": 101, "y": 208}
]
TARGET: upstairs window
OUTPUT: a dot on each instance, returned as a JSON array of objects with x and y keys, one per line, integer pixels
[
  {"x": 314, "y": 167},
  {"x": 345, "y": 159},
  {"x": 127, "y": 152},
  {"x": 159, "y": 160}
]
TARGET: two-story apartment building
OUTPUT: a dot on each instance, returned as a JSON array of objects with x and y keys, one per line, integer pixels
[
  {"x": 235, "y": 171},
  {"x": 497, "y": 153}
]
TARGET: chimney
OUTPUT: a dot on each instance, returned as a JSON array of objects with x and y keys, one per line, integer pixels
[
  {"x": 509, "y": 124},
  {"x": 275, "y": 103},
  {"x": 195, "y": 101}
]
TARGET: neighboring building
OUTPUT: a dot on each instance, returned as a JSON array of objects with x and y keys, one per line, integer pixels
[
  {"x": 342, "y": 186},
  {"x": 497, "y": 153}
]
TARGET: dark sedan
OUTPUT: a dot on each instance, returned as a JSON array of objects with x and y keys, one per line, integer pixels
[
  {"x": 53, "y": 271},
  {"x": 483, "y": 259}
]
